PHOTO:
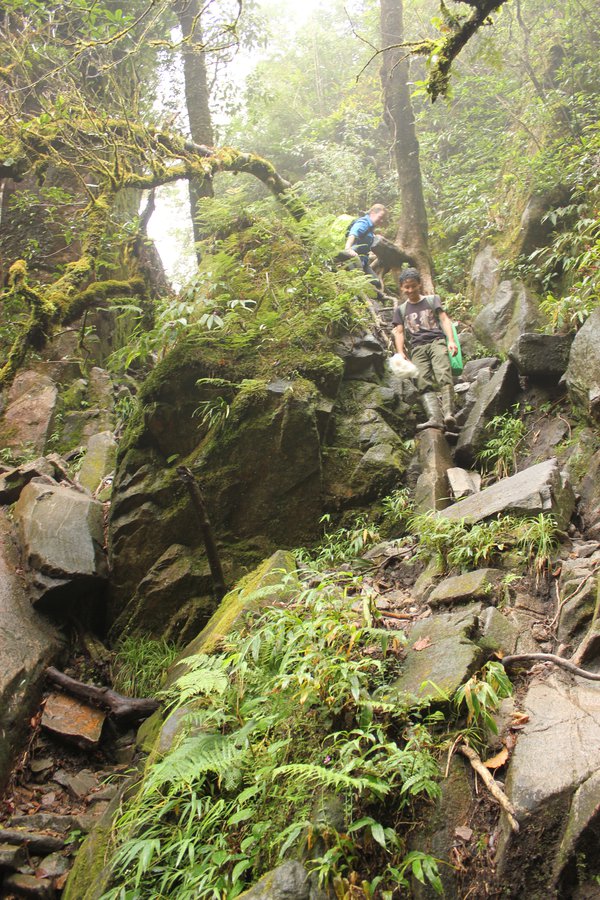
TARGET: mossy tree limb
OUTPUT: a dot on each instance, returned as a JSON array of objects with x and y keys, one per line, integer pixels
[{"x": 119, "y": 157}]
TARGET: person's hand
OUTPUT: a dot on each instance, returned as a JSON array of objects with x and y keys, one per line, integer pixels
[{"x": 452, "y": 348}]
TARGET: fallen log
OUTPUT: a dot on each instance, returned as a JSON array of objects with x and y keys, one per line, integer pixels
[{"x": 117, "y": 705}]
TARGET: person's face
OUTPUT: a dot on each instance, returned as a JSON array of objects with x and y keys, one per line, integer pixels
[
  {"x": 377, "y": 218},
  {"x": 411, "y": 288}
]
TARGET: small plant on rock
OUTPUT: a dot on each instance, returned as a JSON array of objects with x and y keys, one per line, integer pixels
[
  {"x": 499, "y": 454},
  {"x": 480, "y": 696}
]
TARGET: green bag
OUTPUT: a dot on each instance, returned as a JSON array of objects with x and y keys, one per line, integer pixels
[{"x": 456, "y": 361}]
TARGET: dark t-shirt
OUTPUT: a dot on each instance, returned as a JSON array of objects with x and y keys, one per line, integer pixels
[{"x": 420, "y": 321}]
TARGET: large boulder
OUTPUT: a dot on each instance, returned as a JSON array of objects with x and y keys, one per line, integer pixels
[
  {"x": 28, "y": 644},
  {"x": 511, "y": 311},
  {"x": 540, "y": 489},
  {"x": 29, "y": 415},
  {"x": 583, "y": 371},
  {"x": 260, "y": 476},
  {"x": 493, "y": 398},
  {"x": 174, "y": 599},
  {"x": 62, "y": 534},
  {"x": 542, "y": 356},
  {"x": 282, "y": 453},
  {"x": 554, "y": 758}
]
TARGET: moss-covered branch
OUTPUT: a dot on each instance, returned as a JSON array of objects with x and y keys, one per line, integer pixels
[{"x": 117, "y": 155}]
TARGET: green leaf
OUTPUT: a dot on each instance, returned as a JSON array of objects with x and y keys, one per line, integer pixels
[{"x": 378, "y": 833}]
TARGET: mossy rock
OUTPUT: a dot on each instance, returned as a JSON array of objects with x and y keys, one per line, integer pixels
[{"x": 252, "y": 592}]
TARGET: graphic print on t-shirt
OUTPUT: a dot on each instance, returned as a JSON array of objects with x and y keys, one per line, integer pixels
[{"x": 421, "y": 320}]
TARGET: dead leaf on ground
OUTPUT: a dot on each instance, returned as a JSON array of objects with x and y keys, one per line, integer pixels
[
  {"x": 422, "y": 643},
  {"x": 519, "y": 719},
  {"x": 498, "y": 760},
  {"x": 463, "y": 833}
]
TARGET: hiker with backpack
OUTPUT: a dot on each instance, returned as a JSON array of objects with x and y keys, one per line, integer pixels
[
  {"x": 422, "y": 321},
  {"x": 359, "y": 240}
]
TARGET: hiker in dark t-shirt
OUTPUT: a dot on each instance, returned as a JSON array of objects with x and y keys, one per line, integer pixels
[{"x": 428, "y": 327}]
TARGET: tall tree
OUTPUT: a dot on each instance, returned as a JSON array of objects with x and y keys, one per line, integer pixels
[
  {"x": 412, "y": 234},
  {"x": 189, "y": 13}
]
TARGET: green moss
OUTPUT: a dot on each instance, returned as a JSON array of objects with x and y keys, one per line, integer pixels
[{"x": 242, "y": 598}]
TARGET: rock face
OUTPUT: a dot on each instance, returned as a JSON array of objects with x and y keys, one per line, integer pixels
[
  {"x": 492, "y": 399},
  {"x": 99, "y": 460},
  {"x": 62, "y": 536},
  {"x": 554, "y": 761},
  {"x": 469, "y": 587},
  {"x": 286, "y": 452},
  {"x": 442, "y": 655},
  {"x": 509, "y": 312},
  {"x": 542, "y": 356},
  {"x": 289, "y": 881},
  {"x": 173, "y": 600},
  {"x": 28, "y": 644},
  {"x": 29, "y": 414},
  {"x": 583, "y": 372},
  {"x": 539, "y": 489}
]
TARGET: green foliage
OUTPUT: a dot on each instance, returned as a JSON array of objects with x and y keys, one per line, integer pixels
[
  {"x": 342, "y": 545},
  {"x": 280, "y": 723},
  {"x": 480, "y": 696},
  {"x": 396, "y": 511},
  {"x": 464, "y": 546},
  {"x": 264, "y": 295},
  {"x": 566, "y": 269},
  {"x": 140, "y": 664},
  {"x": 538, "y": 541},
  {"x": 499, "y": 453}
]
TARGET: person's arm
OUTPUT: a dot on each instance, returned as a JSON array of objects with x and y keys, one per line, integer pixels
[
  {"x": 349, "y": 242},
  {"x": 446, "y": 326},
  {"x": 398, "y": 333}
]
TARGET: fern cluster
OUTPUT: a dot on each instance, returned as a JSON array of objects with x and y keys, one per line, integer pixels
[{"x": 277, "y": 727}]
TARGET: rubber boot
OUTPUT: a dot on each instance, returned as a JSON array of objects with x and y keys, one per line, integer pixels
[
  {"x": 431, "y": 405},
  {"x": 448, "y": 407}
]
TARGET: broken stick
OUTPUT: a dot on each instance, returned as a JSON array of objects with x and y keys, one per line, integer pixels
[
  {"x": 212, "y": 554},
  {"x": 491, "y": 785}
]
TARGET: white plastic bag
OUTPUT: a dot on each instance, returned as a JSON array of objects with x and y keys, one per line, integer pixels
[{"x": 402, "y": 367}]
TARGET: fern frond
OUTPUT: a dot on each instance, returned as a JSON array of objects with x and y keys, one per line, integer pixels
[
  {"x": 205, "y": 675},
  {"x": 198, "y": 755},
  {"x": 310, "y": 772}
]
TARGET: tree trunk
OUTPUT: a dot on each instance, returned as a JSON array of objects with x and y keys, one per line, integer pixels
[
  {"x": 412, "y": 236},
  {"x": 196, "y": 99}
]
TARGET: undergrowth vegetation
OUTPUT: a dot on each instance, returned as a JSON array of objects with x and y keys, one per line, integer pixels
[
  {"x": 285, "y": 751},
  {"x": 458, "y": 544},
  {"x": 266, "y": 295},
  {"x": 140, "y": 664}
]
